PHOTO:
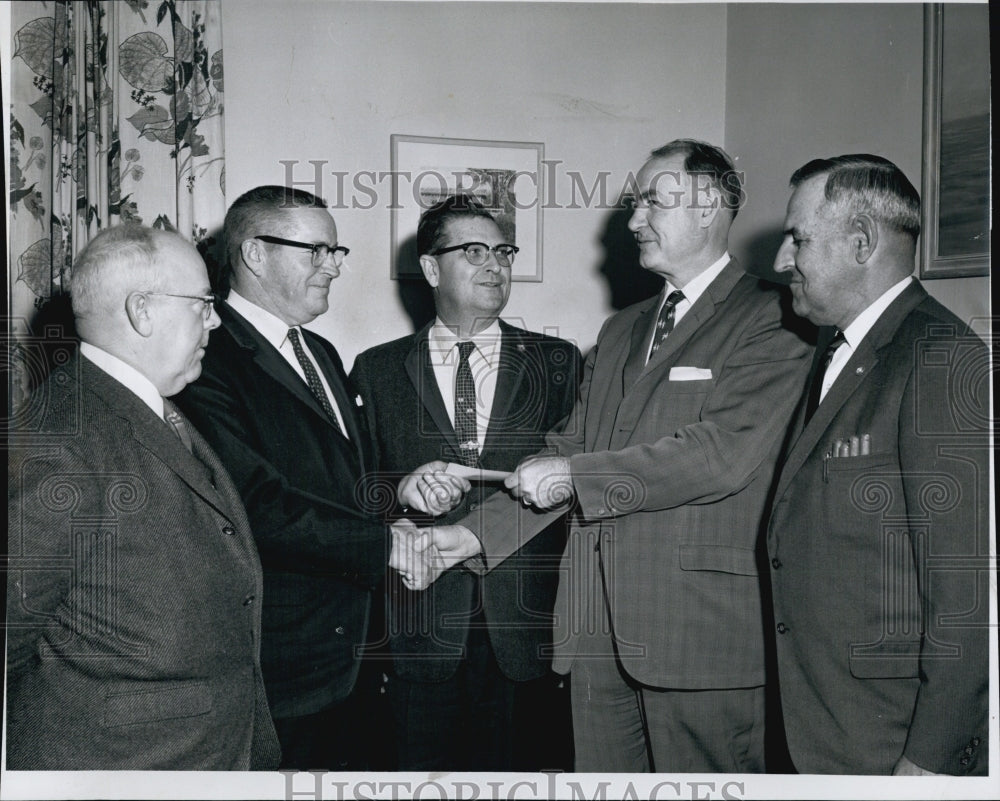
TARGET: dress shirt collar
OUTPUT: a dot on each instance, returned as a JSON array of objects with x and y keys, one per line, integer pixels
[
  {"x": 443, "y": 341},
  {"x": 126, "y": 375},
  {"x": 272, "y": 328},
  {"x": 697, "y": 285},
  {"x": 864, "y": 322}
]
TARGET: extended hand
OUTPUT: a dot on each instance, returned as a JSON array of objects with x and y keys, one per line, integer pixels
[
  {"x": 541, "y": 481},
  {"x": 442, "y": 547},
  {"x": 414, "y": 566},
  {"x": 429, "y": 489}
]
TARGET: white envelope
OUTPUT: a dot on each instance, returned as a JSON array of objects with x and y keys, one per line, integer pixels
[{"x": 689, "y": 374}]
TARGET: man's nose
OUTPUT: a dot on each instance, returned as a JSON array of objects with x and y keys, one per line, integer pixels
[{"x": 783, "y": 260}]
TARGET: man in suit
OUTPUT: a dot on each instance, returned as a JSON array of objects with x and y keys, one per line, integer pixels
[
  {"x": 133, "y": 595},
  {"x": 469, "y": 652},
  {"x": 878, "y": 538},
  {"x": 275, "y": 403},
  {"x": 669, "y": 454}
]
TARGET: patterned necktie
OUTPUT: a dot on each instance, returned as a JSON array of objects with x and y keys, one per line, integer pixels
[
  {"x": 816, "y": 387},
  {"x": 465, "y": 408},
  {"x": 177, "y": 423},
  {"x": 312, "y": 378},
  {"x": 665, "y": 320}
]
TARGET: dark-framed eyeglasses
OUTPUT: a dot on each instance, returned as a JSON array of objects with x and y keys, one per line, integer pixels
[
  {"x": 208, "y": 301},
  {"x": 320, "y": 250},
  {"x": 476, "y": 253}
]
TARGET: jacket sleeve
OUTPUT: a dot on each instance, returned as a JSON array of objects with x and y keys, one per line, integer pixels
[
  {"x": 944, "y": 460},
  {"x": 295, "y": 529}
]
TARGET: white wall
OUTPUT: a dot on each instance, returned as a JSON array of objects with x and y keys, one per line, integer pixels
[
  {"x": 816, "y": 80},
  {"x": 599, "y": 84}
]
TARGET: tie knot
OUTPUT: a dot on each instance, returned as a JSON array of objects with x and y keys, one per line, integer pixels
[
  {"x": 674, "y": 298},
  {"x": 464, "y": 349}
]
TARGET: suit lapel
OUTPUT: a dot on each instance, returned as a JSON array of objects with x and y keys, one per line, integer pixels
[
  {"x": 421, "y": 375},
  {"x": 857, "y": 370},
  {"x": 155, "y": 435},
  {"x": 639, "y": 345},
  {"x": 701, "y": 311},
  {"x": 511, "y": 371}
]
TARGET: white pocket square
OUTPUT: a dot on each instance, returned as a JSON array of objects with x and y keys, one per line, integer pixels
[{"x": 689, "y": 374}]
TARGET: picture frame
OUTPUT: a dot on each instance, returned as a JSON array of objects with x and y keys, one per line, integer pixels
[
  {"x": 955, "y": 224},
  {"x": 506, "y": 177}
]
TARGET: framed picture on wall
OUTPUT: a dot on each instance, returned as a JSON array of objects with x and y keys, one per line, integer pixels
[
  {"x": 956, "y": 157},
  {"x": 506, "y": 177}
]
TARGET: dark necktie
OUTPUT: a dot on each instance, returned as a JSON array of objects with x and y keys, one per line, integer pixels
[
  {"x": 465, "y": 408},
  {"x": 312, "y": 378},
  {"x": 177, "y": 423},
  {"x": 816, "y": 387},
  {"x": 665, "y": 320}
]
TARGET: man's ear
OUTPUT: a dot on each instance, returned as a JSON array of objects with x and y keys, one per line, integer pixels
[
  {"x": 253, "y": 254},
  {"x": 137, "y": 309},
  {"x": 864, "y": 237},
  {"x": 430, "y": 267},
  {"x": 710, "y": 202}
]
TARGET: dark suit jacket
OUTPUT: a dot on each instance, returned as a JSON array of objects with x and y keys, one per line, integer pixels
[
  {"x": 133, "y": 600},
  {"x": 536, "y": 387},
  {"x": 878, "y": 562},
  {"x": 301, "y": 482},
  {"x": 673, "y": 465}
]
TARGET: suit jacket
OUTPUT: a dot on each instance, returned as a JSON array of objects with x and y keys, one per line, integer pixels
[
  {"x": 879, "y": 562},
  {"x": 671, "y": 462},
  {"x": 536, "y": 387},
  {"x": 301, "y": 481},
  {"x": 133, "y": 598}
]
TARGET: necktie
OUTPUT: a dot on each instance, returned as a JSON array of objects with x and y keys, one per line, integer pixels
[
  {"x": 816, "y": 387},
  {"x": 312, "y": 378},
  {"x": 665, "y": 320},
  {"x": 465, "y": 408},
  {"x": 177, "y": 424}
]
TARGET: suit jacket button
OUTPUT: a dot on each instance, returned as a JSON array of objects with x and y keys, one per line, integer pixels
[
  {"x": 964, "y": 760},
  {"x": 776, "y": 563},
  {"x": 248, "y": 600},
  {"x": 968, "y": 750},
  {"x": 975, "y": 741},
  {"x": 339, "y": 630},
  {"x": 782, "y": 628},
  {"x": 473, "y": 506},
  {"x": 228, "y": 530}
]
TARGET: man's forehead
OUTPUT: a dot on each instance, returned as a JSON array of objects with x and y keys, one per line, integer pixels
[
  {"x": 481, "y": 227},
  {"x": 663, "y": 173}
]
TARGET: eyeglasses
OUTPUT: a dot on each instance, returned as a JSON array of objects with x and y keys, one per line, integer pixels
[
  {"x": 476, "y": 253},
  {"x": 208, "y": 301},
  {"x": 320, "y": 250}
]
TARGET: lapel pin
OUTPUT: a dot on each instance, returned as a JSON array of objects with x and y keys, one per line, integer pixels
[
  {"x": 358, "y": 401},
  {"x": 520, "y": 347},
  {"x": 860, "y": 371}
]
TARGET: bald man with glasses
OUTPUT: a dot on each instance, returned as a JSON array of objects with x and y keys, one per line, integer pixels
[{"x": 471, "y": 686}]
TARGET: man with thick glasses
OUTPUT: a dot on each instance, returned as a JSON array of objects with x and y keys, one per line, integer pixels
[
  {"x": 470, "y": 389},
  {"x": 669, "y": 455},
  {"x": 275, "y": 402},
  {"x": 133, "y": 636}
]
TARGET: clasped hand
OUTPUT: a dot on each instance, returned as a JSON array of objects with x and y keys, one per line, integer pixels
[
  {"x": 431, "y": 490},
  {"x": 422, "y": 554}
]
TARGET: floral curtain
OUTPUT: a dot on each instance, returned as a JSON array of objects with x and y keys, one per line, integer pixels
[{"x": 116, "y": 114}]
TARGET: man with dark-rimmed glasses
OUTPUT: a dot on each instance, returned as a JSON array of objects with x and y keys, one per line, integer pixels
[
  {"x": 275, "y": 402},
  {"x": 471, "y": 686}
]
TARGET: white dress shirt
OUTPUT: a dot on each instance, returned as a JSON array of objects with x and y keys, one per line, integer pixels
[
  {"x": 484, "y": 361},
  {"x": 125, "y": 374},
  {"x": 857, "y": 331},
  {"x": 692, "y": 291},
  {"x": 275, "y": 331}
]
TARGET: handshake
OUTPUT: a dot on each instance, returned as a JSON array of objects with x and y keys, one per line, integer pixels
[{"x": 422, "y": 554}]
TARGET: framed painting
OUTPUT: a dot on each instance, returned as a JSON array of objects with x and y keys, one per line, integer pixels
[
  {"x": 956, "y": 156},
  {"x": 506, "y": 177}
]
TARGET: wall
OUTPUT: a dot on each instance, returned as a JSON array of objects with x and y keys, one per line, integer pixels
[
  {"x": 599, "y": 84},
  {"x": 808, "y": 81}
]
